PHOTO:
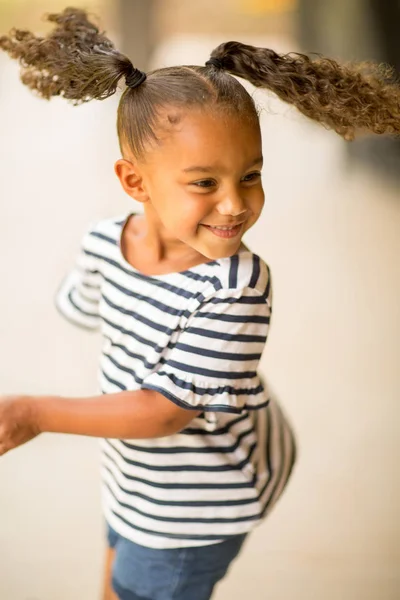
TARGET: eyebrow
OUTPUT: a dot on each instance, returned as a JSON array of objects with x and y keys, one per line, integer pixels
[{"x": 208, "y": 169}]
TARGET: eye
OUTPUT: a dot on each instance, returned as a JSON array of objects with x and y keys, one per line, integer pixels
[
  {"x": 204, "y": 183},
  {"x": 252, "y": 176}
]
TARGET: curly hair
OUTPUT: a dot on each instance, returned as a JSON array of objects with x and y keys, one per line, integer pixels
[
  {"x": 343, "y": 97},
  {"x": 80, "y": 63}
]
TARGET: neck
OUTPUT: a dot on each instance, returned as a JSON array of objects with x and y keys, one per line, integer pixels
[{"x": 157, "y": 244}]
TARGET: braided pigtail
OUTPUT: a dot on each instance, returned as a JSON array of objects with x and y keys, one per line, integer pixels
[
  {"x": 345, "y": 98},
  {"x": 75, "y": 60}
]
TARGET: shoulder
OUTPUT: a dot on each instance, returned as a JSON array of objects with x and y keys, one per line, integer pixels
[
  {"x": 240, "y": 291},
  {"x": 103, "y": 234},
  {"x": 238, "y": 306},
  {"x": 245, "y": 273},
  {"x": 108, "y": 229}
]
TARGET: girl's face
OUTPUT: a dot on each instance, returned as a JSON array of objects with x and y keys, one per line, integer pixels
[{"x": 205, "y": 175}]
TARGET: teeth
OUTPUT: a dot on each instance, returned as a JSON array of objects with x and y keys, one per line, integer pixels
[{"x": 225, "y": 228}]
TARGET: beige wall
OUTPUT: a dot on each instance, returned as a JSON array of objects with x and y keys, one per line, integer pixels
[{"x": 332, "y": 240}]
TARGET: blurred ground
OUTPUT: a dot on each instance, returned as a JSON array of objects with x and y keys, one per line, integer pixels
[{"x": 331, "y": 239}]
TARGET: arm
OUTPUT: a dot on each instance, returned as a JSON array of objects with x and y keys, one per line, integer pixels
[{"x": 138, "y": 414}]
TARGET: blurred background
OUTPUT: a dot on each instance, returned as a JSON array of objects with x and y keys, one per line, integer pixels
[{"x": 330, "y": 232}]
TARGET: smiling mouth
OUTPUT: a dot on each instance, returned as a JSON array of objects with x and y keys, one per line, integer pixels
[{"x": 224, "y": 231}]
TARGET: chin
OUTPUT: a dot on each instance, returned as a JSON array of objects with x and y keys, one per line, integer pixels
[{"x": 216, "y": 254}]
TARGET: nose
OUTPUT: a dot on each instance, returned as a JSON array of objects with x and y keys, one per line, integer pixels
[{"x": 232, "y": 205}]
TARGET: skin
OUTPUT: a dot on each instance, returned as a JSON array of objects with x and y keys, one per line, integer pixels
[{"x": 171, "y": 236}]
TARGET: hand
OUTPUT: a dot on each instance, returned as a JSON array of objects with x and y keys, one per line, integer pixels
[{"x": 17, "y": 422}]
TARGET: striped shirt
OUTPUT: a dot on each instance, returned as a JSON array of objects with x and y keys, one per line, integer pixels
[{"x": 196, "y": 337}]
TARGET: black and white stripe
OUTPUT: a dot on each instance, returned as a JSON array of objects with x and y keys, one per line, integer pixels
[{"x": 196, "y": 337}]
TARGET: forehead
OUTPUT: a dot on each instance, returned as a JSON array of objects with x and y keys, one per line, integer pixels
[{"x": 205, "y": 137}]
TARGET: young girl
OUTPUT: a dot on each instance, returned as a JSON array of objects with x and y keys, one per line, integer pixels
[{"x": 195, "y": 452}]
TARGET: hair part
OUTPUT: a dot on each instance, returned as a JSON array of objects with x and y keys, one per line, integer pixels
[
  {"x": 157, "y": 105},
  {"x": 78, "y": 62}
]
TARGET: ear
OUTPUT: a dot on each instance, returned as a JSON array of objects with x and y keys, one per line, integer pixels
[{"x": 131, "y": 179}]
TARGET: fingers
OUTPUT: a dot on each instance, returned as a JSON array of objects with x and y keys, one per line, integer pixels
[
  {"x": 16, "y": 424},
  {"x": 5, "y": 444},
  {"x": 3, "y": 449}
]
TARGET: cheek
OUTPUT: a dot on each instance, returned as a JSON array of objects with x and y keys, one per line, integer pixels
[
  {"x": 189, "y": 211},
  {"x": 180, "y": 212},
  {"x": 257, "y": 202}
]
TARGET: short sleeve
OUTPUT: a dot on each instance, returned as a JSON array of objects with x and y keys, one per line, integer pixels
[
  {"x": 77, "y": 299},
  {"x": 212, "y": 364}
]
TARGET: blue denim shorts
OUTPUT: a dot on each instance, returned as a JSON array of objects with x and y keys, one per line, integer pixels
[{"x": 141, "y": 573}]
